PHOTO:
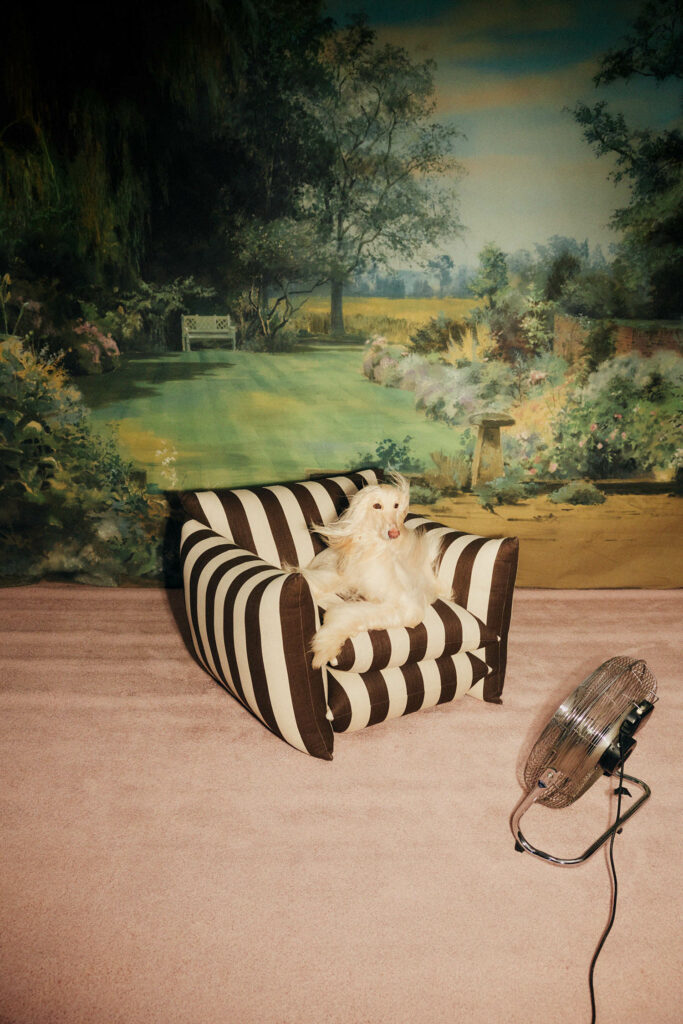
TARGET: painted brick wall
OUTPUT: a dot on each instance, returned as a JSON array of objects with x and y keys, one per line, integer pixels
[{"x": 571, "y": 333}]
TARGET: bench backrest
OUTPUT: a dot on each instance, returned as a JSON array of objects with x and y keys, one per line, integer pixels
[{"x": 219, "y": 322}]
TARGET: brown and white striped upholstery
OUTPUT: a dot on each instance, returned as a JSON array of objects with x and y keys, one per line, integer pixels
[
  {"x": 446, "y": 629},
  {"x": 251, "y": 626},
  {"x": 252, "y": 623},
  {"x": 358, "y": 700},
  {"x": 275, "y": 522}
]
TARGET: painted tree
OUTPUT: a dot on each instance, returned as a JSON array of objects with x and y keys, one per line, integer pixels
[
  {"x": 277, "y": 155},
  {"x": 442, "y": 267},
  {"x": 280, "y": 267},
  {"x": 650, "y": 161},
  {"x": 94, "y": 108},
  {"x": 492, "y": 275},
  {"x": 383, "y": 197},
  {"x": 503, "y": 307}
]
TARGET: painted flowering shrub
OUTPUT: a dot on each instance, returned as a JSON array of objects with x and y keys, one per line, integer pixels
[
  {"x": 70, "y": 507},
  {"x": 526, "y": 451},
  {"x": 21, "y": 315},
  {"x": 442, "y": 391},
  {"x": 625, "y": 421},
  {"x": 381, "y": 359},
  {"x": 93, "y": 350}
]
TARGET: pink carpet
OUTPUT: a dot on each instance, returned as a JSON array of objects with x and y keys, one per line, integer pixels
[{"x": 165, "y": 860}]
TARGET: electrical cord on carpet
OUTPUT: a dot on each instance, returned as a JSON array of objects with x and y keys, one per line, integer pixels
[{"x": 620, "y": 791}]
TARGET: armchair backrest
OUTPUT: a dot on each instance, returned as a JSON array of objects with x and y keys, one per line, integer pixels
[{"x": 274, "y": 522}]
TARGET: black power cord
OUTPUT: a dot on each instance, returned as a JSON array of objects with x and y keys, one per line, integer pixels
[{"x": 620, "y": 791}]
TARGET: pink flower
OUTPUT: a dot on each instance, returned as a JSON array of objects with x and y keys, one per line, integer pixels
[
  {"x": 623, "y": 433},
  {"x": 594, "y": 426},
  {"x": 552, "y": 466},
  {"x": 93, "y": 350},
  {"x": 581, "y": 444},
  {"x": 532, "y": 470},
  {"x": 110, "y": 346},
  {"x": 599, "y": 444},
  {"x": 617, "y": 416}
]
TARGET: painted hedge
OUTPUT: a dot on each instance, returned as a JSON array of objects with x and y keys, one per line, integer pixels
[{"x": 70, "y": 507}]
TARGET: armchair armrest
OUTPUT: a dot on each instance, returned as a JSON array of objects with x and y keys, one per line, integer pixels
[
  {"x": 482, "y": 572},
  {"x": 252, "y": 625}
]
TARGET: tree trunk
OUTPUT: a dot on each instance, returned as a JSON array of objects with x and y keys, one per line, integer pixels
[{"x": 336, "y": 307}]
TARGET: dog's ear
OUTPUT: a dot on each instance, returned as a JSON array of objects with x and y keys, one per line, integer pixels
[{"x": 341, "y": 543}]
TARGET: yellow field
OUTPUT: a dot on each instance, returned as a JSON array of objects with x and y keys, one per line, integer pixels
[
  {"x": 395, "y": 319},
  {"x": 414, "y": 310}
]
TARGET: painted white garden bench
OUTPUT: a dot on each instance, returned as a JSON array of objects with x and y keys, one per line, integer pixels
[{"x": 205, "y": 328}]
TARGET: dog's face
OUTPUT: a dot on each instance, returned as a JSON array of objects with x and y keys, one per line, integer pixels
[{"x": 381, "y": 509}]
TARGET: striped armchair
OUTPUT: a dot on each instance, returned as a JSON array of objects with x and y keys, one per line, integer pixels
[{"x": 252, "y": 623}]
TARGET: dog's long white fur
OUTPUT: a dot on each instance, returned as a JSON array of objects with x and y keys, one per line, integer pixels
[{"x": 375, "y": 573}]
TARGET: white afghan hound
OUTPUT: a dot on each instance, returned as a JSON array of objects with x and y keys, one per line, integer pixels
[{"x": 375, "y": 572}]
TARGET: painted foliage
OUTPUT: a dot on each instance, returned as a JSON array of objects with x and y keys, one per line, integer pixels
[{"x": 448, "y": 242}]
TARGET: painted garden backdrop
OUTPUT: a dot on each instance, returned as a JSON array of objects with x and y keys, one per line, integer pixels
[{"x": 416, "y": 217}]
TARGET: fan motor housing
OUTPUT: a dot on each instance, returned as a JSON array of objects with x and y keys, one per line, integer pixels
[{"x": 617, "y": 752}]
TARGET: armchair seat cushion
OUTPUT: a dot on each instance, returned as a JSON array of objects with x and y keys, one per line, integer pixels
[
  {"x": 357, "y": 699},
  {"x": 445, "y": 630}
]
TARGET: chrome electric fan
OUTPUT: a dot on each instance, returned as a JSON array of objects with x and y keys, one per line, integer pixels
[{"x": 591, "y": 734}]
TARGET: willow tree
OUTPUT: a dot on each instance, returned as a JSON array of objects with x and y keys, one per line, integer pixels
[
  {"x": 91, "y": 97},
  {"x": 385, "y": 194}
]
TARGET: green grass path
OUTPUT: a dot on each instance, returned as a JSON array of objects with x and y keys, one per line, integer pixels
[{"x": 216, "y": 418}]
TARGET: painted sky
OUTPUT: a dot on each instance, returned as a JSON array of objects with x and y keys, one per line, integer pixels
[{"x": 507, "y": 70}]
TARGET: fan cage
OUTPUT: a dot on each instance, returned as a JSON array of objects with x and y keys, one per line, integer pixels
[{"x": 584, "y": 726}]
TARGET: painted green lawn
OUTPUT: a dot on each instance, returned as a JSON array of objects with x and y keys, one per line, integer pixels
[{"x": 218, "y": 418}]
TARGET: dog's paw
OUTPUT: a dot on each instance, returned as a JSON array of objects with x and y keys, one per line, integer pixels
[{"x": 325, "y": 649}]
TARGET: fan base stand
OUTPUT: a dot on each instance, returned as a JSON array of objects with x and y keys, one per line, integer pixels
[{"x": 522, "y": 844}]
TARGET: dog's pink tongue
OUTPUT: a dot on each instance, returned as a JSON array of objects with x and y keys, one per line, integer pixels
[{"x": 394, "y": 532}]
